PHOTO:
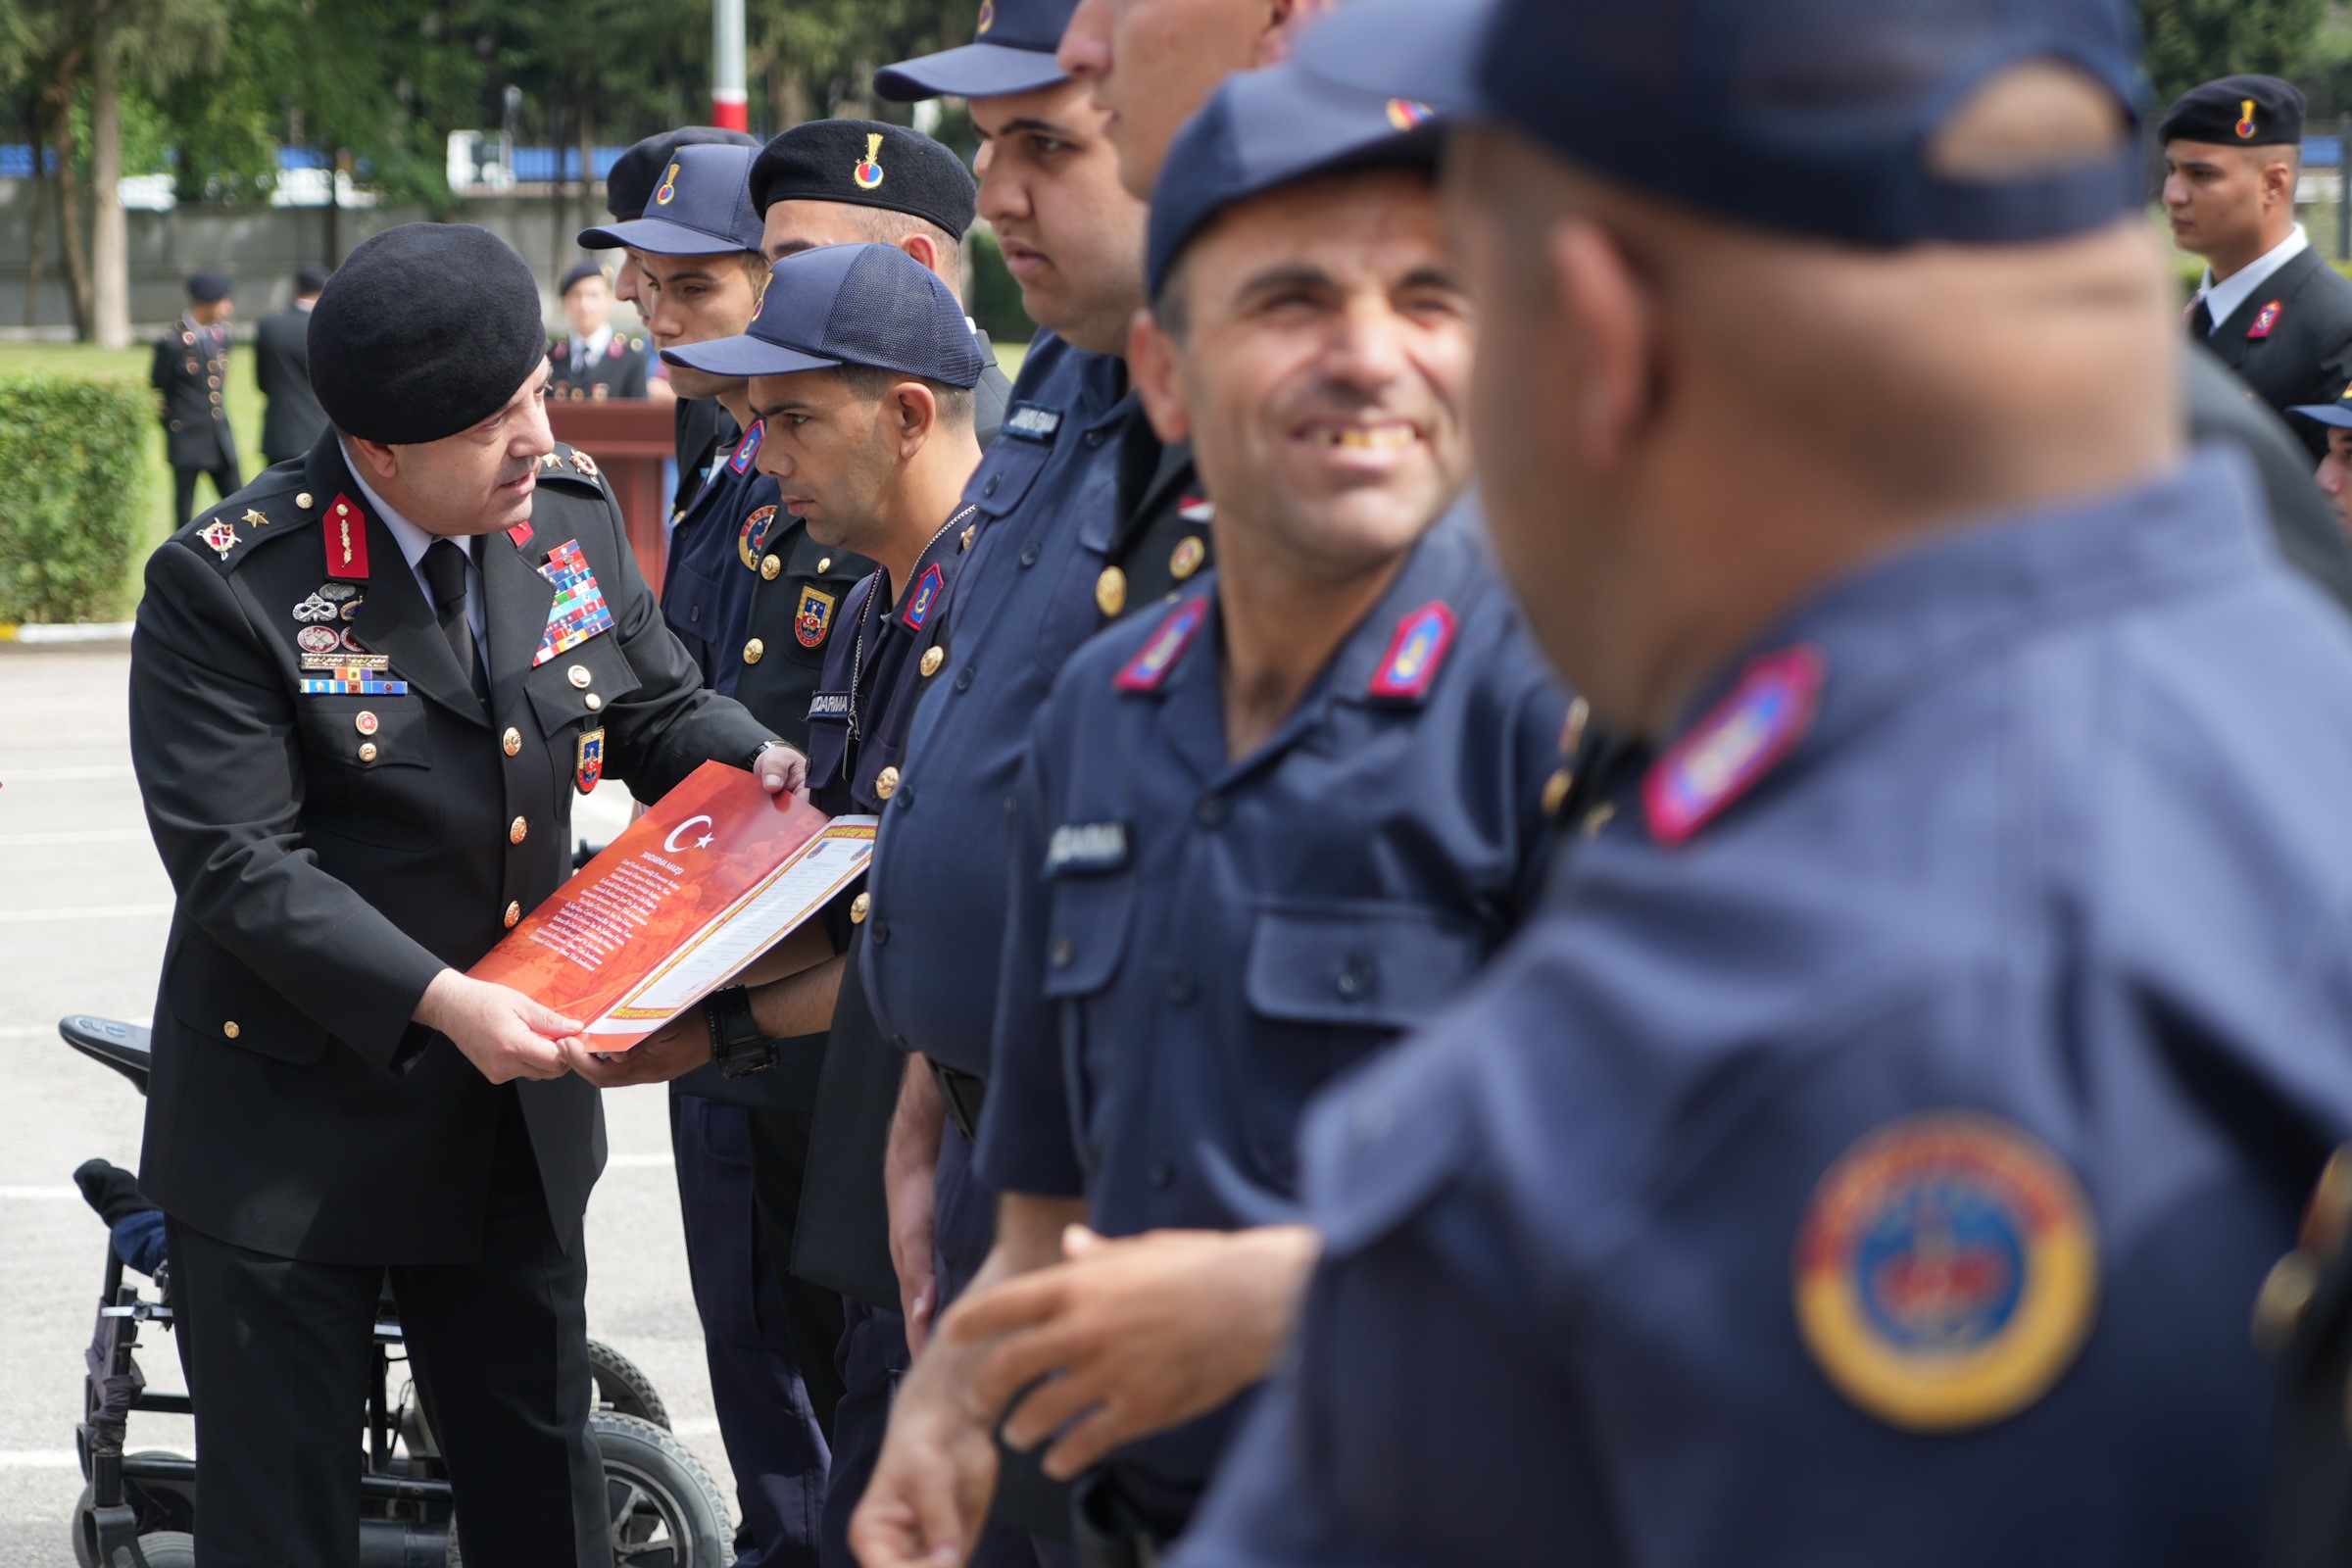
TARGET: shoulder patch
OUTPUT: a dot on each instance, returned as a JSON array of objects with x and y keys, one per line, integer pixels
[
  {"x": 571, "y": 465},
  {"x": 1031, "y": 422},
  {"x": 747, "y": 449},
  {"x": 2266, "y": 321},
  {"x": 1150, "y": 665},
  {"x": 1946, "y": 1272},
  {"x": 1080, "y": 849},
  {"x": 1727, "y": 751},
  {"x": 925, "y": 598},
  {"x": 1415, "y": 654}
]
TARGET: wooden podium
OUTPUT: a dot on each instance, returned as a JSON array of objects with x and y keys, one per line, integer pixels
[{"x": 630, "y": 439}]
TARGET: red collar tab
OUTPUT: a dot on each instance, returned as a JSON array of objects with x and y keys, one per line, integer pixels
[
  {"x": 521, "y": 533},
  {"x": 346, "y": 540},
  {"x": 1415, "y": 653},
  {"x": 2266, "y": 321},
  {"x": 1149, "y": 668},
  {"x": 1739, "y": 743}
]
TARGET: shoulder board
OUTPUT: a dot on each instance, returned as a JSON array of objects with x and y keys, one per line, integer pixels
[
  {"x": 1738, "y": 742},
  {"x": 2266, "y": 321},
  {"x": 1415, "y": 654},
  {"x": 572, "y": 464},
  {"x": 235, "y": 528},
  {"x": 1150, "y": 667}
]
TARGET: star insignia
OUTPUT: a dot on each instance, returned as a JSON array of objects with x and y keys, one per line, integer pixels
[
  {"x": 254, "y": 519},
  {"x": 548, "y": 460}
]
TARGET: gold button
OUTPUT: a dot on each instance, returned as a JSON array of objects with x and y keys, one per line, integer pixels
[
  {"x": 770, "y": 568},
  {"x": 511, "y": 741},
  {"x": 302, "y": 500},
  {"x": 367, "y": 751},
  {"x": 933, "y": 657},
  {"x": 858, "y": 906},
  {"x": 2286, "y": 1296},
  {"x": 1598, "y": 818},
  {"x": 1190, "y": 553},
  {"x": 578, "y": 674},
  {"x": 231, "y": 1029},
  {"x": 514, "y": 916},
  {"x": 1572, "y": 733},
  {"x": 1110, "y": 591},
  {"x": 752, "y": 650},
  {"x": 825, "y": 564},
  {"x": 518, "y": 830},
  {"x": 1555, "y": 791},
  {"x": 594, "y": 702},
  {"x": 364, "y": 722},
  {"x": 886, "y": 784}
]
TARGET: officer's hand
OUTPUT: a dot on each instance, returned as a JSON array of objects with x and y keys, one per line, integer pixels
[
  {"x": 503, "y": 1033},
  {"x": 928, "y": 1498},
  {"x": 673, "y": 1051},
  {"x": 1145, "y": 1334},
  {"x": 781, "y": 770}
]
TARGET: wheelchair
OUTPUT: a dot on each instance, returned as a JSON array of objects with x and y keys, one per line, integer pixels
[{"x": 138, "y": 1508}]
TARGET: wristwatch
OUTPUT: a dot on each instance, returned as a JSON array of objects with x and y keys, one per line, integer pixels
[
  {"x": 751, "y": 765},
  {"x": 736, "y": 1043}
]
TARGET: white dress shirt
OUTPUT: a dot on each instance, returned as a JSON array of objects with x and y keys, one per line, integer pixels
[
  {"x": 586, "y": 351},
  {"x": 2223, "y": 299},
  {"x": 413, "y": 542}
]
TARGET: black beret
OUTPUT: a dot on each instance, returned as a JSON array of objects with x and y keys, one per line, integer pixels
[
  {"x": 635, "y": 173},
  {"x": 424, "y": 330},
  {"x": 309, "y": 278},
  {"x": 2238, "y": 112},
  {"x": 865, "y": 163},
  {"x": 206, "y": 287},
  {"x": 579, "y": 272}
]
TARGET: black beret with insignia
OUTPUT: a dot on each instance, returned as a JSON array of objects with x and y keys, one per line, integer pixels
[
  {"x": 424, "y": 330},
  {"x": 2237, "y": 112},
  {"x": 629, "y": 187},
  {"x": 579, "y": 272},
  {"x": 866, "y": 163}
]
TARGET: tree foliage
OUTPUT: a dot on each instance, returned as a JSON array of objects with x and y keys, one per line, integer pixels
[{"x": 2189, "y": 42}]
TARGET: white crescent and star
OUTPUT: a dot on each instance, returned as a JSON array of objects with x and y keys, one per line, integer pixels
[{"x": 672, "y": 843}]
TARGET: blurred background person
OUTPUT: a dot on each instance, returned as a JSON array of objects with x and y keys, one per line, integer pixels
[
  {"x": 281, "y": 363},
  {"x": 594, "y": 362},
  {"x": 190, "y": 368}
]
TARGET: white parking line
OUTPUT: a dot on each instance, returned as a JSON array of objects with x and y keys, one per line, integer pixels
[
  {"x": 38, "y": 1459},
  {"x": 38, "y": 1195}
]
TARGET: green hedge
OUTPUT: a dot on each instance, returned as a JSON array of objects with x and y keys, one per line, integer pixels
[{"x": 73, "y": 506}]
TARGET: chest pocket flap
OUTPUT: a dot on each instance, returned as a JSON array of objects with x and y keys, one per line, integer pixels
[
  {"x": 1008, "y": 473},
  {"x": 1373, "y": 963},
  {"x": 559, "y": 698},
  {"x": 1087, "y": 933},
  {"x": 394, "y": 732}
]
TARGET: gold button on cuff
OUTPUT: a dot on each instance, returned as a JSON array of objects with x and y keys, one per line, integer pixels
[
  {"x": 933, "y": 657},
  {"x": 302, "y": 500},
  {"x": 578, "y": 674},
  {"x": 771, "y": 567},
  {"x": 594, "y": 702},
  {"x": 368, "y": 753},
  {"x": 886, "y": 783},
  {"x": 858, "y": 906},
  {"x": 752, "y": 650},
  {"x": 231, "y": 1029},
  {"x": 1555, "y": 791},
  {"x": 511, "y": 743},
  {"x": 1110, "y": 591},
  {"x": 518, "y": 830},
  {"x": 514, "y": 916}
]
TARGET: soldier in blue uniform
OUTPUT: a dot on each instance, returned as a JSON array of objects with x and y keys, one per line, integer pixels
[
  {"x": 1259, "y": 834},
  {"x": 1871, "y": 1151}
]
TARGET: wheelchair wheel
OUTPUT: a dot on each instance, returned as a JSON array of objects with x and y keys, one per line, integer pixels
[
  {"x": 666, "y": 1512},
  {"x": 167, "y": 1548},
  {"x": 162, "y": 1506},
  {"x": 622, "y": 1388}
]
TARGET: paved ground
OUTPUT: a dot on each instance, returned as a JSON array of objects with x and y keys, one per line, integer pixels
[{"x": 83, "y": 908}]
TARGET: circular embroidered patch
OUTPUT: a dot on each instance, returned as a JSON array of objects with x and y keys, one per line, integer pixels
[
  {"x": 1946, "y": 1272},
  {"x": 753, "y": 538}
]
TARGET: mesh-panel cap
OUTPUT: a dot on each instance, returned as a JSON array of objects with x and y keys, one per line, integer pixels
[
  {"x": 1011, "y": 52},
  {"x": 869, "y": 305},
  {"x": 1811, "y": 116},
  {"x": 629, "y": 184},
  {"x": 701, "y": 207},
  {"x": 1263, "y": 129}
]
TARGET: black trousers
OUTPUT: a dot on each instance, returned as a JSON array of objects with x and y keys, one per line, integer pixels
[
  {"x": 277, "y": 1353},
  {"x": 183, "y": 489},
  {"x": 812, "y": 1314}
]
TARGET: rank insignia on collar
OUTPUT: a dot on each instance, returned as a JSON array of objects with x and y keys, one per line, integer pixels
[
  {"x": 753, "y": 538},
  {"x": 925, "y": 598},
  {"x": 585, "y": 463},
  {"x": 1946, "y": 1272},
  {"x": 1415, "y": 653},
  {"x": 254, "y": 519},
  {"x": 520, "y": 534},
  {"x": 221, "y": 535},
  {"x": 579, "y": 610},
  {"x": 589, "y": 766},
  {"x": 346, "y": 541},
  {"x": 1741, "y": 741},
  {"x": 747, "y": 449},
  {"x": 1150, "y": 665},
  {"x": 814, "y": 618},
  {"x": 2266, "y": 321}
]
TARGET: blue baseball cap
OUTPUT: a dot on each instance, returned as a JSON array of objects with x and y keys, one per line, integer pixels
[
  {"x": 1263, "y": 129},
  {"x": 2337, "y": 414},
  {"x": 701, "y": 206},
  {"x": 1012, "y": 51},
  {"x": 1811, "y": 116},
  {"x": 869, "y": 305}
]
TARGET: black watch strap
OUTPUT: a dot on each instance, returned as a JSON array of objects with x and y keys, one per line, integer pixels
[{"x": 736, "y": 1043}]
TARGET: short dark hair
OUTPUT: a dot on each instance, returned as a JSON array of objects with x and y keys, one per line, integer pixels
[{"x": 871, "y": 385}]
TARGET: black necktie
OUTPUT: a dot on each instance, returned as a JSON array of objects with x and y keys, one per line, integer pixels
[
  {"x": 2200, "y": 321},
  {"x": 445, "y": 572}
]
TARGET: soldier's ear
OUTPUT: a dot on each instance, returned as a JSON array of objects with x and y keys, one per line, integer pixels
[
  {"x": 915, "y": 409},
  {"x": 1156, "y": 364}
]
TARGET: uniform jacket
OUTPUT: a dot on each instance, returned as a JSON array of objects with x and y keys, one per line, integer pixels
[
  {"x": 189, "y": 371},
  {"x": 2291, "y": 340},
  {"x": 619, "y": 372},
  {"x": 332, "y": 852},
  {"x": 282, "y": 361}
]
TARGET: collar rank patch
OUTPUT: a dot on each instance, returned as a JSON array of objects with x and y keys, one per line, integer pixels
[
  {"x": 579, "y": 612},
  {"x": 1415, "y": 653},
  {"x": 1152, "y": 664},
  {"x": 2266, "y": 321},
  {"x": 1087, "y": 849},
  {"x": 925, "y": 598},
  {"x": 588, "y": 765},
  {"x": 814, "y": 617},
  {"x": 747, "y": 449},
  {"x": 221, "y": 535},
  {"x": 1031, "y": 422},
  {"x": 346, "y": 540},
  {"x": 520, "y": 534},
  {"x": 1727, "y": 751},
  {"x": 1196, "y": 509},
  {"x": 753, "y": 537},
  {"x": 1946, "y": 1272}
]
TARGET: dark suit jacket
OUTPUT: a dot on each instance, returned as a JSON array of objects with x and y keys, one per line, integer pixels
[
  {"x": 2304, "y": 353},
  {"x": 2221, "y": 408},
  {"x": 189, "y": 374},
  {"x": 281, "y": 363},
  {"x": 619, "y": 372},
  {"x": 294, "y": 1108}
]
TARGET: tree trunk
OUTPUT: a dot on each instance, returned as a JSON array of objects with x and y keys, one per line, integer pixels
[
  {"x": 68, "y": 191},
  {"x": 36, "y": 255},
  {"x": 585, "y": 126},
  {"x": 110, "y": 237}
]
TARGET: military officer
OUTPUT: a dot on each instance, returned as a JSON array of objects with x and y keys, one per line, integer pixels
[
  {"x": 281, "y": 364},
  {"x": 2269, "y": 306},
  {"x": 594, "y": 362},
  {"x": 189, "y": 374},
  {"x": 2334, "y": 477},
  {"x": 770, "y": 1338},
  {"x": 1232, "y": 881},
  {"x": 357, "y": 725},
  {"x": 1872, "y": 1149}
]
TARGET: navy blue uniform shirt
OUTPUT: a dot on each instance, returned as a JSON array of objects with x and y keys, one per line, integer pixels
[
  {"x": 1871, "y": 1151},
  {"x": 707, "y": 589},
  {"x": 1197, "y": 944}
]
